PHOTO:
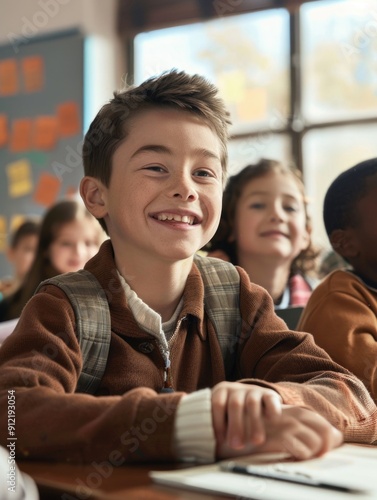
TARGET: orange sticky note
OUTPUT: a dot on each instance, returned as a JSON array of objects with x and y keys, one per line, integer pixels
[
  {"x": 47, "y": 189},
  {"x": 69, "y": 118},
  {"x": 3, "y": 130},
  {"x": 9, "y": 84},
  {"x": 71, "y": 192},
  {"x": 21, "y": 135},
  {"x": 19, "y": 178},
  {"x": 45, "y": 132},
  {"x": 33, "y": 73}
]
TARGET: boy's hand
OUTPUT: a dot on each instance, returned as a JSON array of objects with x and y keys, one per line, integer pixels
[
  {"x": 251, "y": 419},
  {"x": 239, "y": 412}
]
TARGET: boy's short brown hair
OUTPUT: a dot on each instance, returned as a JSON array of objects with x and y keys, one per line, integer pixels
[{"x": 191, "y": 93}]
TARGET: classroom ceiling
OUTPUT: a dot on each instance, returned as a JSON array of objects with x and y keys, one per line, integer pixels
[{"x": 135, "y": 16}]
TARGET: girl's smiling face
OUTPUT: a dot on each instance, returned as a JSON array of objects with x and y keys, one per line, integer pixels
[
  {"x": 75, "y": 243},
  {"x": 270, "y": 218}
]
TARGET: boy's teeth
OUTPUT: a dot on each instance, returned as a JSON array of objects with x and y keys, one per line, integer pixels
[{"x": 178, "y": 218}]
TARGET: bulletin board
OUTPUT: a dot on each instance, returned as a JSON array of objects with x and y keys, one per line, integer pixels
[{"x": 41, "y": 109}]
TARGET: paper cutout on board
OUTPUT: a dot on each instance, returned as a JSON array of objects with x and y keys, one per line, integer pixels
[
  {"x": 21, "y": 135},
  {"x": 3, "y": 233},
  {"x": 45, "y": 132},
  {"x": 254, "y": 106},
  {"x": 9, "y": 84},
  {"x": 3, "y": 130},
  {"x": 71, "y": 192},
  {"x": 47, "y": 190},
  {"x": 33, "y": 73},
  {"x": 232, "y": 86},
  {"x": 19, "y": 178},
  {"x": 69, "y": 118},
  {"x": 37, "y": 157}
]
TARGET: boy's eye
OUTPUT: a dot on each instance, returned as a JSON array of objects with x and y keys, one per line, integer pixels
[
  {"x": 204, "y": 173},
  {"x": 155, "y": 168}
]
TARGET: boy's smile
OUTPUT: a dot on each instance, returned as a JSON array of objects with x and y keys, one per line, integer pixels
[{"x": 165, "y": 191}]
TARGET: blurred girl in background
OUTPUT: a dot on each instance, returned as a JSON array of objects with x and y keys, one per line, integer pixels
[
  {"x": 265, "y": 228},
  {"x": 20, "y": 254},
  {"x": 69, "y": 237}
]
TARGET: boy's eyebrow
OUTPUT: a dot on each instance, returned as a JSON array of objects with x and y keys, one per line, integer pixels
[{"x": 158, "y": 148}]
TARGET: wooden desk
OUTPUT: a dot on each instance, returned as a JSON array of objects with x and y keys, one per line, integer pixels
[{"x": 61, "y": 481}]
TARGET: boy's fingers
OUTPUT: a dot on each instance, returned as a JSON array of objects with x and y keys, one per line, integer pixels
[
  {"x": 236, "y": 420},
  {"x": 272, "y": 404},
  {"x": 257, "y": 409},
  {"x": 303, "y": 444},
  {"x": 219, "y": 409},
  {"x": 254, "y": 417},
  {"x": 332, "y": 439}
]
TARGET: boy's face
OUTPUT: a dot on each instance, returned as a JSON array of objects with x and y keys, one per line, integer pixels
[{"x": 165, "y": 192}]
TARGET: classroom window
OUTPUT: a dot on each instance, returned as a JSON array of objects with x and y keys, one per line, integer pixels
[{"x": 300, "y": 85}]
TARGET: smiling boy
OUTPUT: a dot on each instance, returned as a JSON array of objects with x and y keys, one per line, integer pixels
[{"x": 155, "y": 164}]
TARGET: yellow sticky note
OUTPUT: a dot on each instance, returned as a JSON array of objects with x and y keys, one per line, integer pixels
[
  {"x": 3, "y": 233},
  {"x": 19, "y": 178}
]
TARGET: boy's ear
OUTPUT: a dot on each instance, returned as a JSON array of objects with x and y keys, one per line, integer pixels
[
  {"x": 344, "y": 243},
  {"x": 94, "y": 195}
]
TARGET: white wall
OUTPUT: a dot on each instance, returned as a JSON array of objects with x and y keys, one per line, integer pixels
[{"x": 23, "y": 20}]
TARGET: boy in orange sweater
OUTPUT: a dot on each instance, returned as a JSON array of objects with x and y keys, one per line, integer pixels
[{"x": 342, "y": 311}]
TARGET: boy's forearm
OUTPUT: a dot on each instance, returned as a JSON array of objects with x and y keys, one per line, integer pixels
[{"x": 135, "y": 427}]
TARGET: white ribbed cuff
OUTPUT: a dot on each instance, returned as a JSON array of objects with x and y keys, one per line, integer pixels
[{"x": 193, "y": 432}]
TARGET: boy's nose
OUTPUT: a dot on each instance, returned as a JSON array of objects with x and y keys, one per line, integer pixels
[{"x": 184, "y": 188}]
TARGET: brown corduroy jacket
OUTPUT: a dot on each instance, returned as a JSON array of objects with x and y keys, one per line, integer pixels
[
  {"x": 129, "y": 420},
  {"x": 342, "y": 316}
]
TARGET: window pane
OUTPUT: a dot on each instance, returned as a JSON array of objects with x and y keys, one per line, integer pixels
[
  {"x": 238, "y": 54},
  {"x": 327, "y": 153},
  {"x": 339, "y": 64},
  {"x": 243, "y": 152}
]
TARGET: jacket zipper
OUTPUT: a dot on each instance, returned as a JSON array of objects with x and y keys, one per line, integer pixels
[{"x": 168, "y": 382}]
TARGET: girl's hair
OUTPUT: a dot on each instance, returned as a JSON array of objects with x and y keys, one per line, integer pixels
[
  {"x": 305, "y": 262},
  {"x": 57, "y": 216},
  {"x": 27, "y": 228}
]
